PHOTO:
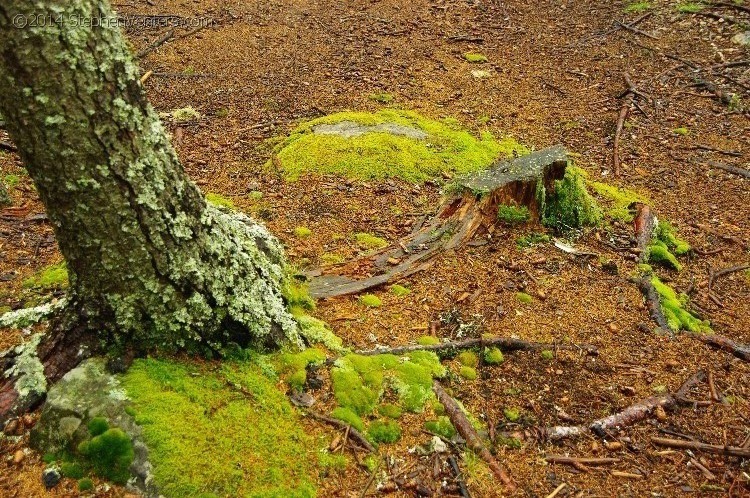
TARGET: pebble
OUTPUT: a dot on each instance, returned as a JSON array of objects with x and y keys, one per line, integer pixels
[
  {"x": 19, "y": 456},
  {"x": 612, "y": 327},
  {"x": 50, "y": 477},
  {"x": 660, "y": 414}
]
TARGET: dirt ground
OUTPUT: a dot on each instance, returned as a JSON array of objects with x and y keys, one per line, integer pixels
[{"x": 556, "y": 76}]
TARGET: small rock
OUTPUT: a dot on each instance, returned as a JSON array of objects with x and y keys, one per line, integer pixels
[
  {"x": 302, "y": 399},
  {"x": 541, "y": 294},
  {"x": 18, "y": 456},
  {"x": 50, "y": 477},
  {"x": 660, "y": 414},
  {"x": 612, "y": 327},
  {"x": 438, "y": 446}
]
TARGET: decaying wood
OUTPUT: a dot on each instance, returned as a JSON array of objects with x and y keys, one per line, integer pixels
[
  {"x": 352, "y": 432},
  {"x": 460, "y": 217},
  {"x": 644, "y": 224},
  {"x": 627, "y": 103},
  {"x": 627, "y": 417},
  {"x": 504, "y": 343},
  {"x": 745, "y": 173},
  {"x": 734, "y": 451},
  {"x": 464, "y": 427}
]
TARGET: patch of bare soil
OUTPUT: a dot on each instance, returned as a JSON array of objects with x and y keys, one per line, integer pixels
[{"x": 556, "y": 74}]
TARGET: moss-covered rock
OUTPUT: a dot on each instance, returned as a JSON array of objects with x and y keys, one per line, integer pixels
[
  {"x": 570, "y": 205},
  {"x": 493, "y": 356},
  {"x": 442, "y": 427},
  {"x": 370, "y": 300},
  {"x": 384, "y": 431}
]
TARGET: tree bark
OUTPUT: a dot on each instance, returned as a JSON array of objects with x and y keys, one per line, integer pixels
[{"x": 151, "y": 265}]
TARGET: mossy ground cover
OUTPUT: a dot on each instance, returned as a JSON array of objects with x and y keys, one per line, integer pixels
[
  {"x": 674, "y": 308},
  {"x": 51, "y": 277},
  {"x": 666, "y": 246},
  {"x": 377, "y": 155},
  {"x": 216, "y": 430}
]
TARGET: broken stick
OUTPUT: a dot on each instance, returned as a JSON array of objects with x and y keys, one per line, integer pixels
[
  {"x": 735, "y": 451},
  {"x": 353, "y": 433},
  {"x": 464, "y": 427}
]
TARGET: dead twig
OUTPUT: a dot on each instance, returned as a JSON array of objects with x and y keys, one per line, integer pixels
[
  {"x": 459, "y": 479},
  {"x": 713, "y": 275},
  {"x": 745, "y": 173},
  {"x": 353, "y": 433},
  {"x": 698, "y": 446},
  {"x": 464, "y": 427},
  {"x": 155, "y": 44},
  {"x": 580, "y": 460},
  {"x": 741, "y": 351}
]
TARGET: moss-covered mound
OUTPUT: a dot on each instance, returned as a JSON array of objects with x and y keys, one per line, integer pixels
[
  {"x": 387, "y": 144},
  {"x": 220, "y": 430}
]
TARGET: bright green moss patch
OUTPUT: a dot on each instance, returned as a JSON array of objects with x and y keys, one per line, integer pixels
[
  {"x": 531, "y": 240},
  {"x": 370, "y": 300},
  {"x": 348, "y": 416},
  {"x": 665, "y": 246},
  {"x": 468, "y": 358},
  {"x": 512, "y": 214},
  {"x": 317, "y": 332},
  {"x": 493, "y": 356},
  {"x": 302, "y": 232},
  {"x": 330, "y": 258},
  {"x": 394, "y": 144},
  {"x": 109, "y": 454},
  {"x": 399, "y": 290},
  {"x": 298, "y": 297},
  {"x": 11, "y": 181},
  {"x": 428, "y": 340},
  {"x": 659, "y": 254},
  {"x": 97, "y": 426},
  {"x": 207, "y": 438},
  {"x": 390, "y": 410},
  {"x": 330, "y": 462},
  {"x": 384, "y": 431},
  {"x": 219, "y": 200},
  {"x": 570, "y": 205},
  {"x": 617, "y": 200},
  {"x": 673, "y": 307},
  {"x": 547, "y": 355},
  {"x": 637, "y": 7},
  {"x": 52, "y": 277},
  {"x": 689, "y": 7},
  {"x": 468, "y": 373},
  {"x": 442, "y": 427},
  {"x": 360, "y": 381},
  {"x": 370, "y": 241},
  {"x": 524, "y": 298},
  {"x": 512, "y": 414},
  {"x": 475, "y": 58},
  {"x": 383, "y": 98},
  {"x": 73, "y": 470},
  {"x": 681, "y": 131},
  {"x": 293, "y": 366},
  {"x": 666, "y": 233},
  {"x": 85, "y": 484}
]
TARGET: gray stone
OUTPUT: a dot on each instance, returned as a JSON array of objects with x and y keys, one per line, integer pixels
[
  {"x": 86, "y": 392},
  {"x": 350, "y": 129},
  {"x": 50, "y": 477},
  {"x": 742, "y": 38}
]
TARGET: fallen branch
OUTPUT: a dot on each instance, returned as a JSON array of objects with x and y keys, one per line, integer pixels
[
  {"x": 735, "y": 451},
  {"x": 713, "y": 275},
  {"x": 504, "y": 343},
  {"x": 741, "y": 351},
  {"x": 624, "y": 112},
  {"x": 745, "y": 173},
  {"x": 653, "y": 303},
  {"x": 464, "y": 427},
  {"x": 580, "y": 460},
  {"x": 353, "y": 433},
  {"x": 155, "y": 44},
  {"x": 459, "y": 479}
]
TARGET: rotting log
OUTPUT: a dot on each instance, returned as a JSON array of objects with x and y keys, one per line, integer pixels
[
  {"x": 473, "y": 441},
  {"x": 461, "y": 216}
]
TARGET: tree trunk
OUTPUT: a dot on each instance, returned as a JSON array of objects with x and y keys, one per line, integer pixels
[{"x": 151, "y": 265}]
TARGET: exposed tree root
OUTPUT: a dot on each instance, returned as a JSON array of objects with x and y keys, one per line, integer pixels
[
  {"x": 644, "y": 224},
  {"x": 504, "y": 343},
  {"x": 741, "y": 351},
  {"x": 627, "y": 417},
  {"x": 459, "y": 218},
  {"x": 735, "y": 451},
  {"x": 352, "y": 432},
  {"x": 464, "y": 427}
]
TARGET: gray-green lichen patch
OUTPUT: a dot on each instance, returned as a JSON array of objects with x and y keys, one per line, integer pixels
[
  {"x": 28, "y": 370},
  {"x": 26, "y": 317},
  {"x": 349, "y": 129}
]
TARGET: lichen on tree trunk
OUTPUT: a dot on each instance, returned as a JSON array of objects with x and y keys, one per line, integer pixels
[{"x": 152, "y": 266}]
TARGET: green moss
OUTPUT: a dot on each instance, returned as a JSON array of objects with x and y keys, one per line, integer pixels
[
  {"x": 665, "y": 245},
  {"x": 329, "y": 462},
  {"x": 317, "y": 332},
  {"x": 398, "y": 290},
  {"x": 645, "y": 268},
  {"x": 109, "y": 454},
  {"x": 493, "y": 356},
  {"x": 370, "y": 241},
  {"x": 297, "y": 297},
  {"x": 370, "y": 300},
  {"x": 689, "y": 7},
  {"x": 207, "y": 438},
  {"x": 570, "y": 205},
  {"x": 293, "y": 366},
  {"x": 97, "y": 426},
  {"x": 442, "y": 427},
  {"x": 383, "y": 98},
  {"x": 468, "y": 358},
  {"x": 329, "y": 258},
  {"x": 637, "y": 7},
  {"x": 302, "y": 232},
  {"x": 508, "y": 442},
  {"x": 11, "y": 181},
  {"x": 73, "y": 470},
  {"x": 512, "y": 414},
  {"x": 52, "y": 277},
  {"x": 428, "y": 340},
  {"x": 673, "y": 307},
  {"x": 184, "y": 115},
  {"x": 389, "y": 410},
  {"x": 533, "y": 239},
  {"x": 666, "y": 233},
  {"x": 512, "y": 214},
  {"x": 659, "y": 254},
  {"x": 547, "y": 355},
  {"x": 617, "y": 200},
  {"x": 219, "y": 200},
  {"x": 85, "y": 484},
  {"x": 474, "y": 57},
  {"x": 468, "y": 373},
  {"x": 681, "y": 131},
  {"x": 378, "y": 155},
  {"x": 524, "y": 298},
  {"x": 384, "y": 431},
  {"x": 348, "y": 416}
]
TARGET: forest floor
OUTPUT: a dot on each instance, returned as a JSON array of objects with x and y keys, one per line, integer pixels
[{"x": 556, "y": 70}]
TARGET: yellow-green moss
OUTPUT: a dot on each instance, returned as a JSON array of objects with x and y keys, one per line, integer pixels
[
  {"x": 665, "y": 246},
  {"x": 317, "y": 332},
  {"x": 219, "y": 200},
  {"x": 474, "y": 57},
  {"x": 512, "y": 414},
  {"x": 399, "y": 290},
  {"x": 667, "y": 234},
  {"x": 293, "y": 365},
  {"x": 673, "y": 307},
  {"x": 330, "y": 258},
  {"x": 524, "y": 298},
  {"x": 570, "y": 205},
  {"x": 377, "y": 155},
  {"x": 302, "y": 232},
  {"x": 382, "y": 97},
  {"x": 689, "y": 7},
  {"x": 681, "y": 131},
  {"x": 348, "y": 416},
  {"x": 532, "y": 239},
  {"x": 468, "y": 373},
  {"x": 617, "y": 200},
  {"x": 428, "y": 340},
  {"x": 51, "y": 277},
  {"x": 207, "y": 437},
  {"x": 493, "y": 356},
  {"x": 512, "y": 214},
  {"x": 332, "y": 463},
  {"x": 442, "y": 427},
  {"x": 369, "y": 241},
  {"x": 389, "y": 410},
  {"x": 384, "y": 431},
  {"x": 547, "y": 355},
  {"x": 637, "y": 7},
  {"x": 370, "y": 300},
  {"x": 468, "y": 358},
  {"x": 85, "y": 484}
]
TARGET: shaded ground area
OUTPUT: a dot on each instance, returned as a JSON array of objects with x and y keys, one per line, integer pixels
[{"x": 554, "y": 74}]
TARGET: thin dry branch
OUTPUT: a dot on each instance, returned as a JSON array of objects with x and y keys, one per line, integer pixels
[
  {"x": 353, "y": 433},
  {"x": 735, "y": 451}
]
